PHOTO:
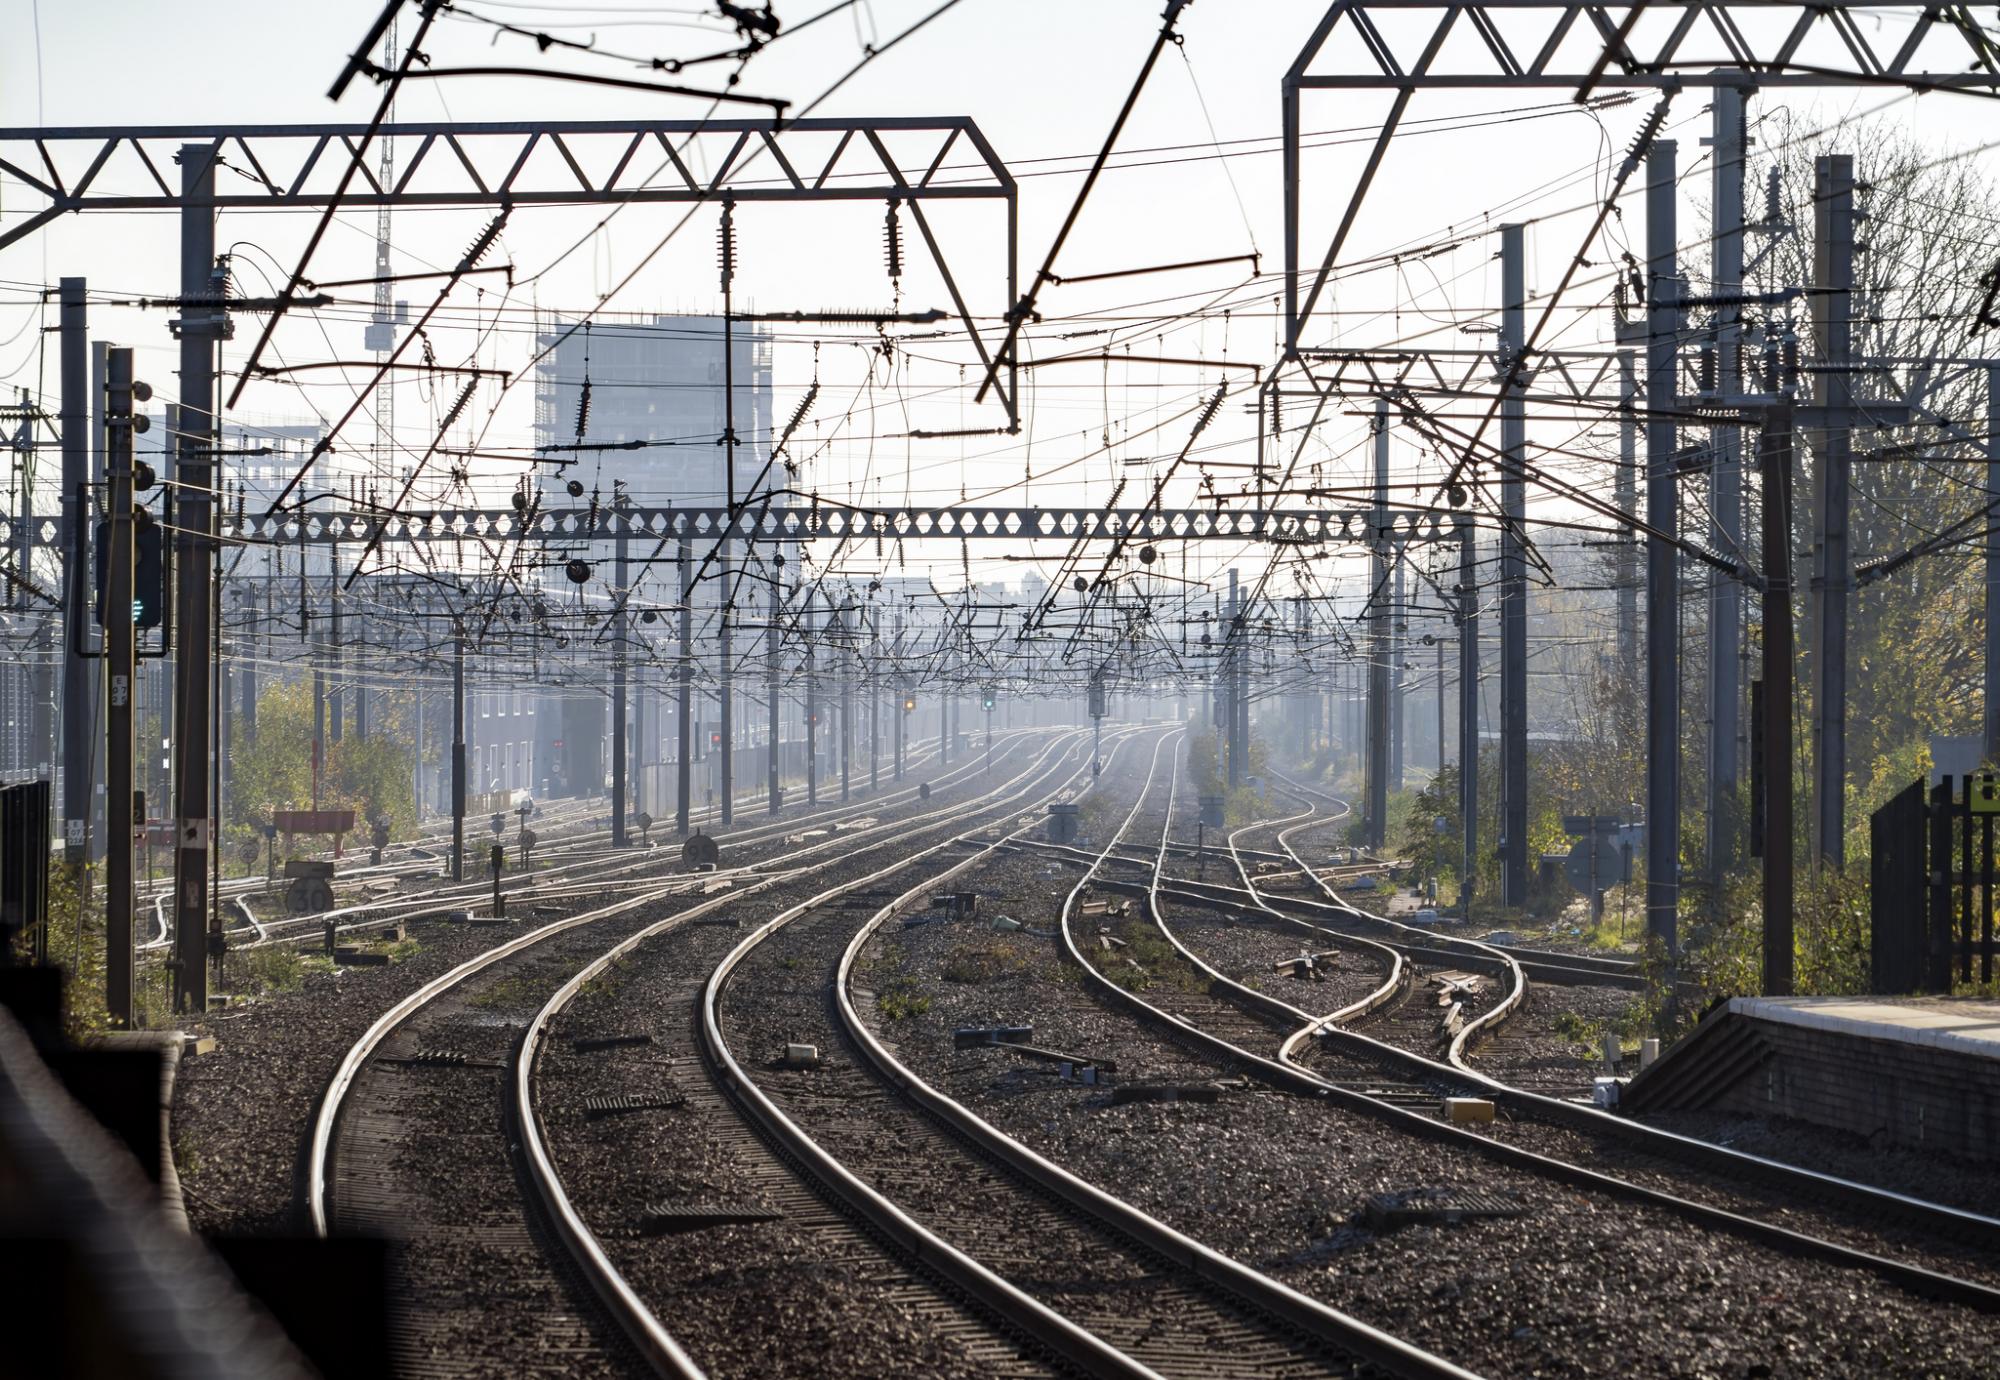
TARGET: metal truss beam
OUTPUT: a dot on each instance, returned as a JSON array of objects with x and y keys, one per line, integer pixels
[
  {"x": 1587, "y": 377},
  {"x": 1302, "y": 526},
  {"x": 1407, "y": 46},
  {"x": 509, "y": 164},
  {"x": 1540, "y": 43},
  {"x": 496, "y": 164},
  {"x": 1462, "y": 372}
]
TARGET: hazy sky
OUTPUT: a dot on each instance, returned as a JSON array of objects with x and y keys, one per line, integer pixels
[{"x": 1043, "y": 80}]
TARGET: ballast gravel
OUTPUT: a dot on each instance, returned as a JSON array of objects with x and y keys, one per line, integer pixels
[{"x": 1579, "y": 1285}]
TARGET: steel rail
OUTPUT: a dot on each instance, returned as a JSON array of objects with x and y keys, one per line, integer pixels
[
  {"x": 1318, "y": 1319},
  {"x": 319, "y": 1153},
  {"x": 1397, "y": 975},
  {"x": 1958, "y": 1223},
  {"x": 620, "y": 1299},
  {"x": 1538, "y": 964},
  {"x": 1020, "y": 1309},
  {"x": 1492, "y": 1019},
  {"x": 1287, "y": 1074}
]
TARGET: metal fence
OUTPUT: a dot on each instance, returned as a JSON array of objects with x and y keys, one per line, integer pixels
[
  {"x": 24, "y": 867},
  {"x": 1931, "y": 885}
]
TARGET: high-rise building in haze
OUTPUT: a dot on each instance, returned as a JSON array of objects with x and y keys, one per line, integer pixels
[{"x": 657, "y": 380}]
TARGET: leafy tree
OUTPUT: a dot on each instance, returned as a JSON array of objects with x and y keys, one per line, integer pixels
[{"x": 371, "y": 776}]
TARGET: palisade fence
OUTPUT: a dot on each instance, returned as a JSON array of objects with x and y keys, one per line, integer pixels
[
  {"x": 1931, "y": 885},
  {"x": 24, "y": 869}
]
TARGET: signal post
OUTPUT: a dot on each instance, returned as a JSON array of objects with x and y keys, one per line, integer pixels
[{"x": 121, "y": 650}]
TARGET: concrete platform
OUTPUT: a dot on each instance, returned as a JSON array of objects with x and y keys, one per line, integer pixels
[
  {"x": 1918, "y": 1072},
  {"x": 1962, "y": 1024}
]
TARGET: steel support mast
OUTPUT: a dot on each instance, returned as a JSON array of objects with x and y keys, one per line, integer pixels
[
  {"x": 1626, "y": 495},
  {"x": 202, "y": 324},
  {"x": 771, "y": 786},
  {"x": 1233, "y": 651},
  {"x": 812, "y": 703},
  {"x": 1774, "y": 463},
  {"x": 120, "y": 650},
  {"x": 1992, "y": 714},
  {"x": 1468, "y": 710},
  {"x": 1513, "y": 580},
  {"x": 621, "y": 635},
  {"x": 1729, "y": 143},
  {"x": 684, "y": 705},
  {"x": 1663, "y": 706},
  {"x": 458, "y": 758},
  {"x": 79, "y": 681},
  {"x": 1376, "y": 736},
  {"x": 1833, "y": 331}
]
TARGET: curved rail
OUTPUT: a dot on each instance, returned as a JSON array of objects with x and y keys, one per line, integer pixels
[
  {"x": 320, "y": 1147},
  {"x": 1019, "y": 1308},
  {"x": 1287, "y": 1074},
  {"x": 600, "y": 1271},
  {"x": 1320, "y": 1320},
  {"x": 1486, "y": 1021},
  {"x": 1954, "y": 1222}
]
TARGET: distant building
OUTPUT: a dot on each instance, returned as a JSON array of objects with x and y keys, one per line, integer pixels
[
  {"x": 656, "y": 380},
  {"x": 659, "y": 381}
]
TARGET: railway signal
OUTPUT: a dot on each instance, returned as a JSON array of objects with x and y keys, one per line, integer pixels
[{"x": 149, "y": 566}]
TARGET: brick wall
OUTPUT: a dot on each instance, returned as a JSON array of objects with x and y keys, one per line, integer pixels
[{"x": 1891, "y": 1093}]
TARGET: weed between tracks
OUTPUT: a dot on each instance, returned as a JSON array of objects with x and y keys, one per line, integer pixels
[
  {"x": 1146, "y": 961},
  {"x": 605, "y": 983},
  {"x": 276, "y": 968},
  {"x": 187, "y": 1156},
  {"x": 899, "y": 1000},
  {"x": 507, "y": 991},
  {"x": 1575, "y": 1028},
  {"x": 974, "y": 961}
]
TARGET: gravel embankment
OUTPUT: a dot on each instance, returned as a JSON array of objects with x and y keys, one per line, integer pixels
[
  {"x": 242, "y": 1113},
  {"x": 1579, "y": 1285},
  {"x": 1251, "y": 952},
  {"x": 1550, "y": 1044}
]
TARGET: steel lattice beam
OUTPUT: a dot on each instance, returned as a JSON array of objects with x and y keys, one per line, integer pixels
[
  {"x": 509, "y": 164},
  {"x": 496, "y": 164},
  {"x": 1407, "y": 46},
  {"x": 971, "y": 523}
]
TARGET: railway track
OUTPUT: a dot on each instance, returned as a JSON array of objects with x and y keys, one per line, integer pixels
[
  {"x": 976, "y": 1213},
  {"x": 1176, "y": 1308},
  {"x": 1854, "y": 1226},
  {"x": 882, "y": 1183},
  {"x": 566, "y": 869},
  {"x": 409, "y": 1138}
]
